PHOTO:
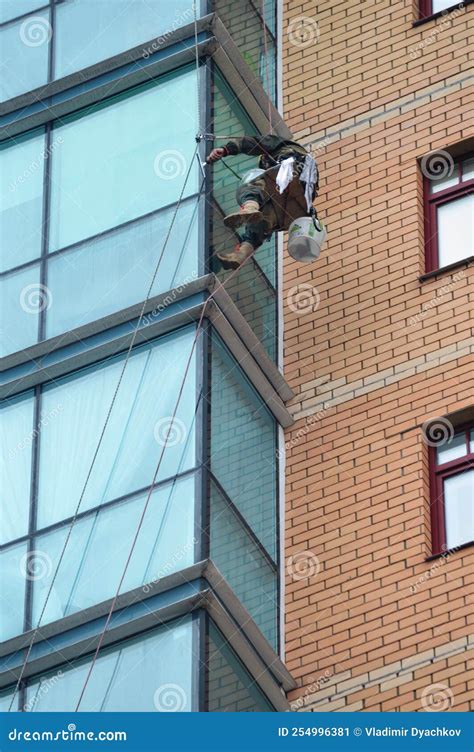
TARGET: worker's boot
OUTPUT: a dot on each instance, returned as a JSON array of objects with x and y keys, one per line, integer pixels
[
  {"x": 236, "y": 257},
  {"x": 249, "y": 214}
]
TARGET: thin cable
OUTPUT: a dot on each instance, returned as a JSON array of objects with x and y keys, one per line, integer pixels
[
  {"x": 150, "y": 490},
  {"x": 267, "y": 77},
  {"x": 196, "y": 53},
  {"x": 104, "y": 428}
]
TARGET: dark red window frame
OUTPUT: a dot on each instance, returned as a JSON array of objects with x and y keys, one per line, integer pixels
[
  {"x": 431, "y": 203},
  {"x": 438, "y": 473}
]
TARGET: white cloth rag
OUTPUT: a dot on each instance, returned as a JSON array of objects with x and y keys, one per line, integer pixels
[
  {"x": 285, "y": 173},
  {"x": 309, "y": 175}
]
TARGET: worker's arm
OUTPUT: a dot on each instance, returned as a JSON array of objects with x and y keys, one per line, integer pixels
[{"x": 252, "y": 145}]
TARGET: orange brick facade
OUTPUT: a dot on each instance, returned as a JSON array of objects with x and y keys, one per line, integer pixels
[{"x": 372, "y": 352}]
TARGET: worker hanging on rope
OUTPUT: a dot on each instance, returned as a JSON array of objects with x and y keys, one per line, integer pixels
[{"x": 271, "y": 197}]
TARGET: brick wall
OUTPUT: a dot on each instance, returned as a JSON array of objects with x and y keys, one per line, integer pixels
[{"x": 370, "y": 623}]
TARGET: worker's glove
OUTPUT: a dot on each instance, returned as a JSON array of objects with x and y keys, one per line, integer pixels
[{"x": 217, "y": 154}]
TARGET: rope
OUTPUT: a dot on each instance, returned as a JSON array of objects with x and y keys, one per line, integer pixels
[
  {"x": 150, "y": 490},
  {"x": 267, "y": 77},
  {"x": 198, "y": 83},
  {"x": 104, "y": 428}
]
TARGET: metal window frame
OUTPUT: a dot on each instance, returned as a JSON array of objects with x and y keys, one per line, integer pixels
[{"x": 200, "y": 586}]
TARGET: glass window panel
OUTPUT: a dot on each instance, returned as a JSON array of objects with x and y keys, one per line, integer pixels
[
  {"x": 243, "y": 446},
  {"x": 135, "y": 434},
  {"x": 452, "y": 450},
  {"x": 91, "y": 570},
  {"x": 151, "y": 673},
  {"x": 114, "y": 271},
  {"x": 472, "y": 440},
  {"x": 25, "y": 55},
  {"x": 244, "y": 566},
  {"x": 13, "y": 8},
  {"x": 16, "y": 440},
  {"x": 468, "y": 169},
  {"x": 444, "y": 181},
  {"x": 459, "y": 506},
  {"x": 230, "y": 687},
  {"x": 442, "y": 4},
  {"x": 124, "y": 159},
  {"x": 13, "y": 573},
  {"x": 456, "y": 230},
  {"x": 21, "y": 205},
  {"x": 118, "y": 25},
  {"x": 5, "y": 700},
  {"x": 244, "y": 25},
  {"x": 22, "y": 298}
]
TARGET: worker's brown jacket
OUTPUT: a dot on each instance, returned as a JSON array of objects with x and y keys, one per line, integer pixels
[{"x": 271, "y": 150}]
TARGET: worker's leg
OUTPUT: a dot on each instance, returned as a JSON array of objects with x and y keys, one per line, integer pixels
[
  {"x": 252, "y": 238},
  {"x": 251, "y": 195}
]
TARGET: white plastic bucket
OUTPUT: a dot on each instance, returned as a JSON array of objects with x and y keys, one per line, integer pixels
[{"x": 306, "y": 237}]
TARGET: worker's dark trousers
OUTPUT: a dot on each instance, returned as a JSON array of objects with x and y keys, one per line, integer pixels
[{"x": 278, "y": 210}]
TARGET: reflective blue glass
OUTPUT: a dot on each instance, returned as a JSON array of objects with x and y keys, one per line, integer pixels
[
  {"x": 243, "y": 446},
  {"x": 92, "y": 30},
  {"x": 16, "y": 439},
  {"x": 121, "y": 160},
  {"x": 244, "y": 566},
  {"x": 25, "y": 54},
  {"x": 13, "y": 575},
  {"x": 114, "y": 271},
  {"x": 100, "y": 544},
  {"x": 152, "y": 673},
  {"x": 21, "y": 202},
  {"x": 230, "y": 688},
  {"x": 135, "y": 435},
  {"x": 13, "y": 8},
  {"x": 22, "y": 297}
]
